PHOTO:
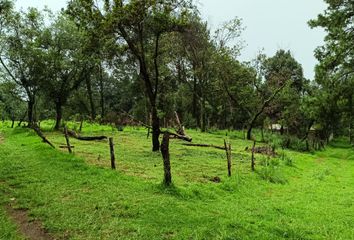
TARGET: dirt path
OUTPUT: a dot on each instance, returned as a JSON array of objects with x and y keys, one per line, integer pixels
[{"x": 32, "y": 230}]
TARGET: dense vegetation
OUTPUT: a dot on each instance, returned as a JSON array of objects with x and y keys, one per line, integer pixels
[{"x": 119, "y": 67}]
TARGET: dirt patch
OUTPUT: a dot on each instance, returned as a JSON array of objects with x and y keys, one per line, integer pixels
[
  {"x": 266, "y": 150},
  {"x": 320, "y": 160},
  {"x": 1, "y": 139},
  {"x": 32, "y": 230}
]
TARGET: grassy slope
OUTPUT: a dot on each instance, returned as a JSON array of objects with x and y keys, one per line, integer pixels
[{"x": 89, "y": 201}]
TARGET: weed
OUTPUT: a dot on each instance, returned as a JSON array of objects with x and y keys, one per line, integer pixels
[{"x": 272, "y": 174}]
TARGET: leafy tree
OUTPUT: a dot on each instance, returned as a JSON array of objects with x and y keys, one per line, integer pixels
[
  {"x": 141, "y": 25},
  {"x": 335, "y": 72},
  {"x": 67, "y": 67},
  {"x": 11, "y": 105},
  {"x": 281, "y": 68},
  {"x": 20, "y": 56}
]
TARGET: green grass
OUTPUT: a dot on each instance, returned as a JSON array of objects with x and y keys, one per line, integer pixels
[{"x": 79, "y": 197}]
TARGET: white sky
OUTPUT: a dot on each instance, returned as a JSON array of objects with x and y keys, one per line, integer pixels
[{"x": 270, "y": 24}]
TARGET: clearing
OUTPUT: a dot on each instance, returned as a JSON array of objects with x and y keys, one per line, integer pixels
[{"x": 78, "y": 196}]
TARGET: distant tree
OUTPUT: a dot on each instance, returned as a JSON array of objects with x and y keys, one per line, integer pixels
[
  {"x": 268, "y": 84},
  {"x": 281, "y": 68},
  {"x": 11, "y": 105},
  {"x": 20, "y": 57},
  {"x": 67, "y": 67}
]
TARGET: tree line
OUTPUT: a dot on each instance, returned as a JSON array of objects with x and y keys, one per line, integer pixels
[{"x": 107, "y": 60}]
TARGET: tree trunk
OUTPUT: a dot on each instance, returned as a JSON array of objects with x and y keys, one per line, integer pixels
[
  {"x": 308, "y": 130},
  {"x": 13, "y": 120},
  {"x": 166, "y": 159},
  {"x": 155, "y": 130},
  {"x": 103, "y": 112},
  {"x": 249, "y": 131},
  {"x": 90, "y": 96},
  {"x": 350, "y": 102},
  {"x": 202, "y": 116},
  {"x": 195, "y": 112},
  {"x": 22, "y": 119},
  {"x": 30, "y": 106},
  {"x": 59, "y": 115},
  {"x": 264, "y": 105}
]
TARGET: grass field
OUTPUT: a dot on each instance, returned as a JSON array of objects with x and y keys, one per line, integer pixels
[{"x": 78, "y": 196}]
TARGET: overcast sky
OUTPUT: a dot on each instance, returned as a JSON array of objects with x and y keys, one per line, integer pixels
[{"x": 270, "y": 24}]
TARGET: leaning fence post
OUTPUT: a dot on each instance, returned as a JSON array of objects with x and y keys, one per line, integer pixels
[
  {"x": 229, "y": 161},
  {"x": 165, "y": 151},
  {"x": 228, "y": 156},
  {"x": 111, "y": 147},
  {"x": 67, "y": 139}
]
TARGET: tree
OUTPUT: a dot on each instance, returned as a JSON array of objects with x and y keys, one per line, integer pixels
[
  {"x": 67, "y": 67},
  {"x": 284, "y": 109},
  {"x": 338, "y": 51},
  {"x": 335, "y": 71},
  {"x": 11, "y": 105},
  {"x": 20, "y": 56},
  {"x": 141, "y": 25},
  {"x": 274, "y": 75}
]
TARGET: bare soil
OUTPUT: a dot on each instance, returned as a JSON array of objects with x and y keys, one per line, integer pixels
[{"x": 32, "y": 230}]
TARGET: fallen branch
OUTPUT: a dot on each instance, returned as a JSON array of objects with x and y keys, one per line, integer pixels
[
  {"x": 178, "y": 136},
  {"x": 203, "y": 145},
  {"x": 62, "y": 146},
  {"x": 74, "y": 134},
  {"x": 41, "y": 135}
]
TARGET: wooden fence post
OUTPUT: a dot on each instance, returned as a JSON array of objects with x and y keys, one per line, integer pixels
[
  {"x": 252, "y": 160},
  {"x": 165, "y": 151},
  {"x": 67, "y": 139},
  {"x": 228, "y": 156},
  {"x": 111, "y": 147}
]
